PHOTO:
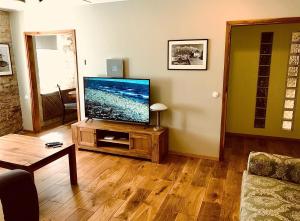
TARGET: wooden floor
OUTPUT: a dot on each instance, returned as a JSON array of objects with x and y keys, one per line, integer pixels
[{"x": 118, "y": 188}]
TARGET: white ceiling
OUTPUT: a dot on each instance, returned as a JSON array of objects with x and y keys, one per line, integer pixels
[
  {"x": 12, "y": 5},
  {"x": 19, "y": 5},
  {"x": 101, "y": 1}
]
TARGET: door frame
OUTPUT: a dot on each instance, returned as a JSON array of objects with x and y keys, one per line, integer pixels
[
  {"x": 35, "y": 112},
  {"x": 229, "y": 26}
]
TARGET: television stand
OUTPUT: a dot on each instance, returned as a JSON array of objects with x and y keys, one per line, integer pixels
[
  {"x": 121, "y": 138},
  {"x": 87, "y": 120}
]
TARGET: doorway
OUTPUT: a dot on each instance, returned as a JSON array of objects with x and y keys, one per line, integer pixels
[
  {"x": 227, "y": 63},
  {"x": 53, "y": 77}
]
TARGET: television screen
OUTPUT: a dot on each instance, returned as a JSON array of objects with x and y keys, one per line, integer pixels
[{"x": 117, "y": 99}]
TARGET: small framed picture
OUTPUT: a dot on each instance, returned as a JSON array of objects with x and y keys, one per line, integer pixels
[
  {"x": 187, "y": 54},
  {"x": 295, "y": 48},
  {"x": 294, "y": 60},
  {"x": 296, "y": 37},
  {"x": 5, "y": 62}
]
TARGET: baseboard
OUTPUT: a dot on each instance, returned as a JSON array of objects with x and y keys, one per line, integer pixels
[
  {"x": 193, "y": 155},
  {"x": 26, "y": 131},
  {"x": 262, "y": 137}
]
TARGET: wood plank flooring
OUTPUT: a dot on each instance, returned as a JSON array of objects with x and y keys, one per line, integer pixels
[{"x": 117, "y": 188}]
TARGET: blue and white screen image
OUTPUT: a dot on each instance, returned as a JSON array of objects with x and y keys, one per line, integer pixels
[{"x": 117, "y": 99}]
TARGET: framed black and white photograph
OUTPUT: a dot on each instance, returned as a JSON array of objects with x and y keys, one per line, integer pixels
[
  {"x": 187, "y": 54},
  {"x": 5, "y": 62}
]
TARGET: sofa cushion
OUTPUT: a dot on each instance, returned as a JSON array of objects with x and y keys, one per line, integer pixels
[
  {"x": 265, "y": 198},
  {"x": 274, "y": 166}
]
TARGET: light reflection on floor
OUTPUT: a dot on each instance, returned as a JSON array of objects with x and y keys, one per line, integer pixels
[{"x": 52, "y": 137}]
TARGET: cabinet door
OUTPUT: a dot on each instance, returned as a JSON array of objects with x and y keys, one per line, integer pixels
[
  {"x": 140, "y": 143},
  {"x": 87, "y": 137}
]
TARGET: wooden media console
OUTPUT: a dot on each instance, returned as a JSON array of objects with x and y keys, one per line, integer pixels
[{"x": 128, "y": 139}]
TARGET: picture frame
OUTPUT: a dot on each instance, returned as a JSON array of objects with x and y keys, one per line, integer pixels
[
  {"x": 5, "y": 60},
  {"x": 188, "y": 54}
]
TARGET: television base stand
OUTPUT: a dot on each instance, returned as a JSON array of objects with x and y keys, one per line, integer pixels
[
  {"x": 129, "y": 139},
  {"x": 87, "y": 120}
]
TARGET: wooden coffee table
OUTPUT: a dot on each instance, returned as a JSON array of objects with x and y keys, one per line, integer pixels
[{"x": 29, "y": 153}]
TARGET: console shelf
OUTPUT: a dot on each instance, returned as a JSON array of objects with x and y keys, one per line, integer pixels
[
  {"x": 129, "y": 139},
  {"x": 119, "y": 141}
]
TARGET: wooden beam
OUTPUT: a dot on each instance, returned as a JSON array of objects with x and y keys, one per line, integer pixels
[{"x": 33, "y": 84}]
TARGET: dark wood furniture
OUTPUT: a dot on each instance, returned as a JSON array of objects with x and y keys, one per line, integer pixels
[
  {"x": 29, "y": 153},
  {"x": 52, "y": 103},
  {"x": 66, "y": 105},
  {"x": 129, "y": 140},
  {"x": 72, "y": 94}
]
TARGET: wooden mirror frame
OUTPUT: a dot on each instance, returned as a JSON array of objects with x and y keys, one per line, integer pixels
[{"x": 36, "y": 124}]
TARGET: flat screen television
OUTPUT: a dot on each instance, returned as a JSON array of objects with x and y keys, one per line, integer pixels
[{"x": 117, "y": 99}]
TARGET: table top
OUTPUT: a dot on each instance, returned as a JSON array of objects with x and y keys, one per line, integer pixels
[{"x": 25, "y": 150}]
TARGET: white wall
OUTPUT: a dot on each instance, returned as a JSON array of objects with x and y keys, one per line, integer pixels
[
  {"x": 46, "y": 42},
  {"x": 138, "y": 30}
]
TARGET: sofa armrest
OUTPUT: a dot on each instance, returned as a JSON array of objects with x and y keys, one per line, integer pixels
[
  {"x": 18, "y": 196},
  {"x": 274, "y": 166}
]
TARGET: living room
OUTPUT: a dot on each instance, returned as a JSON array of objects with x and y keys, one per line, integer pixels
[{"x": 200, "y": 177}]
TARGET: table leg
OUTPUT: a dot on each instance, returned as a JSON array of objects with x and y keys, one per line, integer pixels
[{"x": 72, "y": 165}]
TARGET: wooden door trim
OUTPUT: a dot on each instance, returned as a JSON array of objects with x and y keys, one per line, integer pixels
[
  {"x": 33, "y": 84},
  {"x": 39, "y": 33},
  {"x": 32, "y": 74},
  {"x": 229, "y": 26}
]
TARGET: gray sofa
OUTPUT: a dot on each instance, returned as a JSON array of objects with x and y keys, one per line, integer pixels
[{"x": 271, "y": 188}]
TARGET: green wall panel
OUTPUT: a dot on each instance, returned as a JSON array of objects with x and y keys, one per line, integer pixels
[{"x": 245, "y": 52}]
